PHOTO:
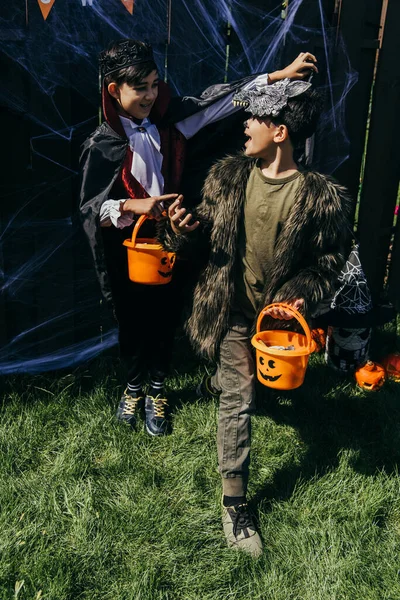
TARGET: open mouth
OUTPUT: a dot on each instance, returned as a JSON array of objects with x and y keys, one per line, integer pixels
[
  {"x": 146, "y": 106},
  {"x": 165, "y": 275},
  {"x": 268, "y": 377}
]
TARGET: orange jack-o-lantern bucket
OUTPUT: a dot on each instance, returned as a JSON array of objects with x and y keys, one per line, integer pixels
[
  {"x": 371, "y": 376},
  {"x": 148, "y": 262},
  {"x": 282, "y": 356}
]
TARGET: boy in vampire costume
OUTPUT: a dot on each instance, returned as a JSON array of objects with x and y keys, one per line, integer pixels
[
  {"x": 267, "y": 232},
  {"x": 131, "y": 166}
]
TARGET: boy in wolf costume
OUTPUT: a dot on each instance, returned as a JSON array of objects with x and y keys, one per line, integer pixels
[{"x": 267, "y": 232}]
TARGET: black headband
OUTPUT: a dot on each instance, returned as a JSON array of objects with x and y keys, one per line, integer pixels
[{"x": 129, "y": 53}]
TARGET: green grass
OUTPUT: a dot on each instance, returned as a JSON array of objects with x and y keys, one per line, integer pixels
[{"x": 92, "y": 510}]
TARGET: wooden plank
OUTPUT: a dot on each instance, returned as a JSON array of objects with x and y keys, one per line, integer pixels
[
  {"x": 394, "y": 272},
  {"x": 359, "y": 26},
  {"x": 88, "y": 320},
  {"x": 264, "y": 27},
  {"x": 249, "y": 44},
  {"x": 13, "y": 23},
  {"x": 3, "y": 318},
  {"x": 382, "y": 167},
  {"x": 17, "y": 289},
  {"x": 196, "y": 52},
  {"x": 52, "y": 208}
]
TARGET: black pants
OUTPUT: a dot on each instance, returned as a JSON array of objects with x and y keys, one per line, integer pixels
[
  {"x": 147, "y": 315},
  {"x": 147, "y": 318}
]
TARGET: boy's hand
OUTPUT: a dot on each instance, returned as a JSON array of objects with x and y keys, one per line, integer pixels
[
  {"x": 281, "y": 313},
  {"x": 152, "y": 207},
  {"x": 300, "y": 68},
  {"x": 178, "y": 218}
]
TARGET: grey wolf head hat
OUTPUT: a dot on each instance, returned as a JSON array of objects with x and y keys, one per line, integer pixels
[{"x": 269, "y": 100}]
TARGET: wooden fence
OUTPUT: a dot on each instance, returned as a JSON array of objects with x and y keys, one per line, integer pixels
[
  {"x": 370, "y": 31},
  {"x": 49, "y": 301}
]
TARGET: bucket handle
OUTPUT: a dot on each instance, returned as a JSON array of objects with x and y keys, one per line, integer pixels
[
  {"x": 138, "y": 225},
  {"x": 295, "y": 315}
]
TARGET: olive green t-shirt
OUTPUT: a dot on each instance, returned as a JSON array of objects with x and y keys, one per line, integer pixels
[{"x": 267, "y": 206}]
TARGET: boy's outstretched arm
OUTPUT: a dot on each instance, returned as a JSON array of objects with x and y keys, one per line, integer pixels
[
  {"x": 223, "y": 107},
  {"x": 300, "y": 68}
]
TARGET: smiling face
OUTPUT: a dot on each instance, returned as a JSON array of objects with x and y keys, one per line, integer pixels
[
  {"x": 136, "y": 100},
  {"x": 263, "y": 137},
  {"x": 266, "y": 369},
  {"x": 167, "y": 263}
]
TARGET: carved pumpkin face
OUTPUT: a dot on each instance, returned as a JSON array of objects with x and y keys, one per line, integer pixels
[
  {"x": 166, "y": 263},
  {"x": 319, "y": 337},
  {"x": 266, "y": 368},
  {"x": 370, "y": 376},
  {"x": 391, "y": 362}
]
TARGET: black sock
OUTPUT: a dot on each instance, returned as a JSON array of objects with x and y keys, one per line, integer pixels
[
  {"x": 156, "y": 388},
  {"x": 134, "y": 386},
  {"x": 233, "y": 500}
]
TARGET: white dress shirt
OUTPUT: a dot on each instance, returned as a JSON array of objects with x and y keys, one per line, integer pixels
[{"x": 144, "y": 141}]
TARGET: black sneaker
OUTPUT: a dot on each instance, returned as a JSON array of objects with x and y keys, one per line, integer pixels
[
  {"x": 156, "y": 415},
  {"x": 205, "y": 389},
  {"x": 129, "y": 408},
  {"x": 240, "y": 531}
]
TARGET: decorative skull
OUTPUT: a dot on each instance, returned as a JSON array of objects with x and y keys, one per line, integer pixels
[{"x": 347, "y": 348}]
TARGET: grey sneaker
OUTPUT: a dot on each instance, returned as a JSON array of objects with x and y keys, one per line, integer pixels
[
  {"x": 240, "y": 531},
  {"x": 128, "y": 408},
  {"x": 205, "y": 389},
  {"x": 156, "y": 415}
]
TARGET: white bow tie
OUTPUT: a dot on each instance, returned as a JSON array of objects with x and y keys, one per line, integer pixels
[
  {"x": 145, "y": 127},
  {"x": 145, "y": 143}
]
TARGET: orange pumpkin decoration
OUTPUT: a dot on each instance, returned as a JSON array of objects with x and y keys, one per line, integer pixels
[
  {"x": 319, "y": 337},
  {"x": 371, "y": 376},
  {"x": 391, "y": 362}
]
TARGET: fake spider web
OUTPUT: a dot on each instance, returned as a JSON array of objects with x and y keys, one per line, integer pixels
[
  {"x": 51, "y": 313},
  {"x": 353, "y": 296}
]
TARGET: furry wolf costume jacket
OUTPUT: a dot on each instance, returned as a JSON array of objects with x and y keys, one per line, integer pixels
[{"x": 310, "y": 251}]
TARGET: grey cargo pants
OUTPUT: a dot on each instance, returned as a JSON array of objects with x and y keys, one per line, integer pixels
[{"x": 235, "y": 379}]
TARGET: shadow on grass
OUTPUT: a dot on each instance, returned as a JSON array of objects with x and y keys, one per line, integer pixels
[
  {"x": 106, "y": 372},
  {"x": 101, "y": 372},
  {"x": 331, "y": 415},
  {"x": 329, "y": 412}
]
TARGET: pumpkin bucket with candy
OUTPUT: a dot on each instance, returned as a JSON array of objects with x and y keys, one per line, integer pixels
[
  {"x": 391, "y": 362},
  {"x": 282, "y": 355},
  {"x": 371, "y": 376},
  {"x": 148, "y": 262}
]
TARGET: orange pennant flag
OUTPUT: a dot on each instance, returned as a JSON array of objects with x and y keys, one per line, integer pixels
[
  {"x": 45, "y": 7},
  {"x": 129, "y": 5}
]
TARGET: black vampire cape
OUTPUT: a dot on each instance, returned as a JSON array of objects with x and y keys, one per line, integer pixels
[{"x": 104, "y": 155}]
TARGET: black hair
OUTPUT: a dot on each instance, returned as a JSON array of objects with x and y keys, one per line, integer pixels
[
  {"x": 131, "y": 75},
  {"x": 300, "y": 116}
]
